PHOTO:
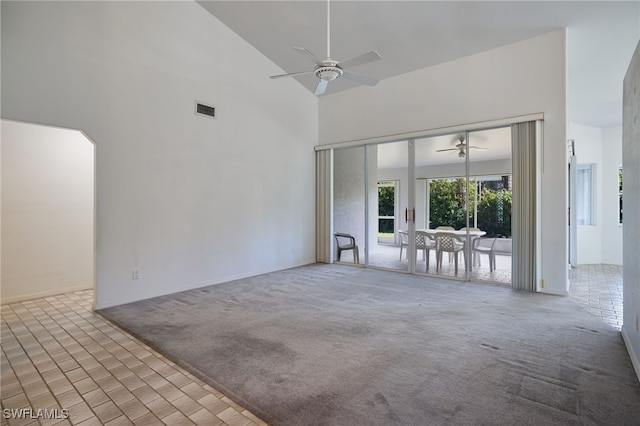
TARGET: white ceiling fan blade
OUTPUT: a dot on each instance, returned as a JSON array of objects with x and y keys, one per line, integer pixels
[
  {"x": 360, "y": 78},
  {"x": 362, "y": 59},
  {"x": 291, "y": 74},
  {"x": 328, "y": 69},
  {"x": 448, "y": 149},
  {"x": 321, "y": 87},
  {"x": 479, "y": 148},
  {"x": 309, "y": 55}
]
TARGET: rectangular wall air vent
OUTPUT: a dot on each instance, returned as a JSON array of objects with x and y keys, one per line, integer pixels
[{"x": 205, "y": 110}]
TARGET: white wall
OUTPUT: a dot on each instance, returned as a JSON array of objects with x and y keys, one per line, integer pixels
[
  {"x": 601, "y": 242},
  {"x": 188, "y": 200},
  {"x": 47, "y": 211},
  {"x": 631, "y": 242},
  {"x": 523, "y": 78},
  {"x": 588, "y": 143}
]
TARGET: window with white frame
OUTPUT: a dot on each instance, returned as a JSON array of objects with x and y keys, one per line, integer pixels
[
  {"x": 586, "y": 194},
  {"x": 620, "y": 195}
]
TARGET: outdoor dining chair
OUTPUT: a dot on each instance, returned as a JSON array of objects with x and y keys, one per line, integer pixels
[
  {"x": 472, "y": 240},
  {"x": 446, "y": 228},
  {"x": 502, "y": 246},
  {"x": 346, "y": 242},
  {"x": 450, "y": 243},
  {"x": 404, "y": 241},
  {"x": 424, "y": 242},
  {"x": 483, "y": 246}
]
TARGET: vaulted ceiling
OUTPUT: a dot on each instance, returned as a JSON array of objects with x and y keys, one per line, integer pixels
[{"x": 411, "y": 35}]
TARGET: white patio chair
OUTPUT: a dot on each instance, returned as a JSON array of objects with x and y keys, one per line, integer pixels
[
  {"x": 483, "y": 246},
  {"x": 424, "y": 242},
  {"x": 501, "y": 246},
  {"x": 450, "y": 243},
  {"x": 446, "y": 228},
  {"x": 471, "y": 242},
  {"x": 404, "y": 240}
]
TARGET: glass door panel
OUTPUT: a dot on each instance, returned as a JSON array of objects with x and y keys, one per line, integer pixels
[
  {"x": 388, "y": 199},
  {"x": 490, "y": 204},
  {"x": 349, "y": 182},
  {"x": 441, "y": 204}
]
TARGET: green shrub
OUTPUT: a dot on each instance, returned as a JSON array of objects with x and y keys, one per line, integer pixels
[
  {"x": 494, "y": 212},
  {"x": 447, "y": 204}
]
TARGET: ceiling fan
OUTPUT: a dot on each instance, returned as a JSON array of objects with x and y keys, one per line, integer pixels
[
  {"x": 329, "y": 69},
  {"x": 462, "y": 147}
]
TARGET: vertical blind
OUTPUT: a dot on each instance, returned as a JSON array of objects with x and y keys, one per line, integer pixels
[
  {"x": 324, "y": 197},
  {"x": 524, "y": 206}
]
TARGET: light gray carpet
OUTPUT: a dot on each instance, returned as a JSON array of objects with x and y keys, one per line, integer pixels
[{"x": 338, "y": 345}]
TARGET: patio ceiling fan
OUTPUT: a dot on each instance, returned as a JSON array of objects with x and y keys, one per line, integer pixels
[
  {"x": 329, "y": 69},
  {"x": 462, "y": 148}
]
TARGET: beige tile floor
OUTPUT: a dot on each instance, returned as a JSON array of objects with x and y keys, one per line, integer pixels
[
  {"x": 598, "y": 289},
  {"x": 58, "y": 355}
]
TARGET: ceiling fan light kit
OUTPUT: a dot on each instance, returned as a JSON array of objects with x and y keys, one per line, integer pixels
[
  {"x": 329, "y": 69},
  {"x": 329, "y": 73}
]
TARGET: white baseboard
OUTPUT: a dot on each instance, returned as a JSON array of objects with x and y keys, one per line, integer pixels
[
  {"x": 632, "y": 353},
  {"x": 104, "y": 304},
  {"x": 41, "y": 294}
]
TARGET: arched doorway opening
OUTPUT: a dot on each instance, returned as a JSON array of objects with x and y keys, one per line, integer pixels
[{"x": 48, "y": 211}]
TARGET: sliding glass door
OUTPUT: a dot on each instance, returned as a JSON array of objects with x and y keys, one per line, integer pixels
[{"x": 437, "y": 206}]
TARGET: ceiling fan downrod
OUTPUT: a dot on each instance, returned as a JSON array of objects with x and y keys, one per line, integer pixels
[
  {"x": 328, "y": 29},
  {"x": 329, "y": 69}
]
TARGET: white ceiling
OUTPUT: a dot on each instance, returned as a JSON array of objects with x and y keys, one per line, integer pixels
[{"x": 411, "y": 35}]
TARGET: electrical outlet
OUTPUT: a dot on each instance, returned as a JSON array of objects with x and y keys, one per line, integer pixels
[{"x": 135, "y": 274}]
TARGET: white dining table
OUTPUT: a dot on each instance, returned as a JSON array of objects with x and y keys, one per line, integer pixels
[
  {"x": 461, "y": 233},
  {"x": 473, "y": 234}
]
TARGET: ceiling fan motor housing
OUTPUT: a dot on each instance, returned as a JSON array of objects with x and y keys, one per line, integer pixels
[{"x": 328, "y": 71}]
